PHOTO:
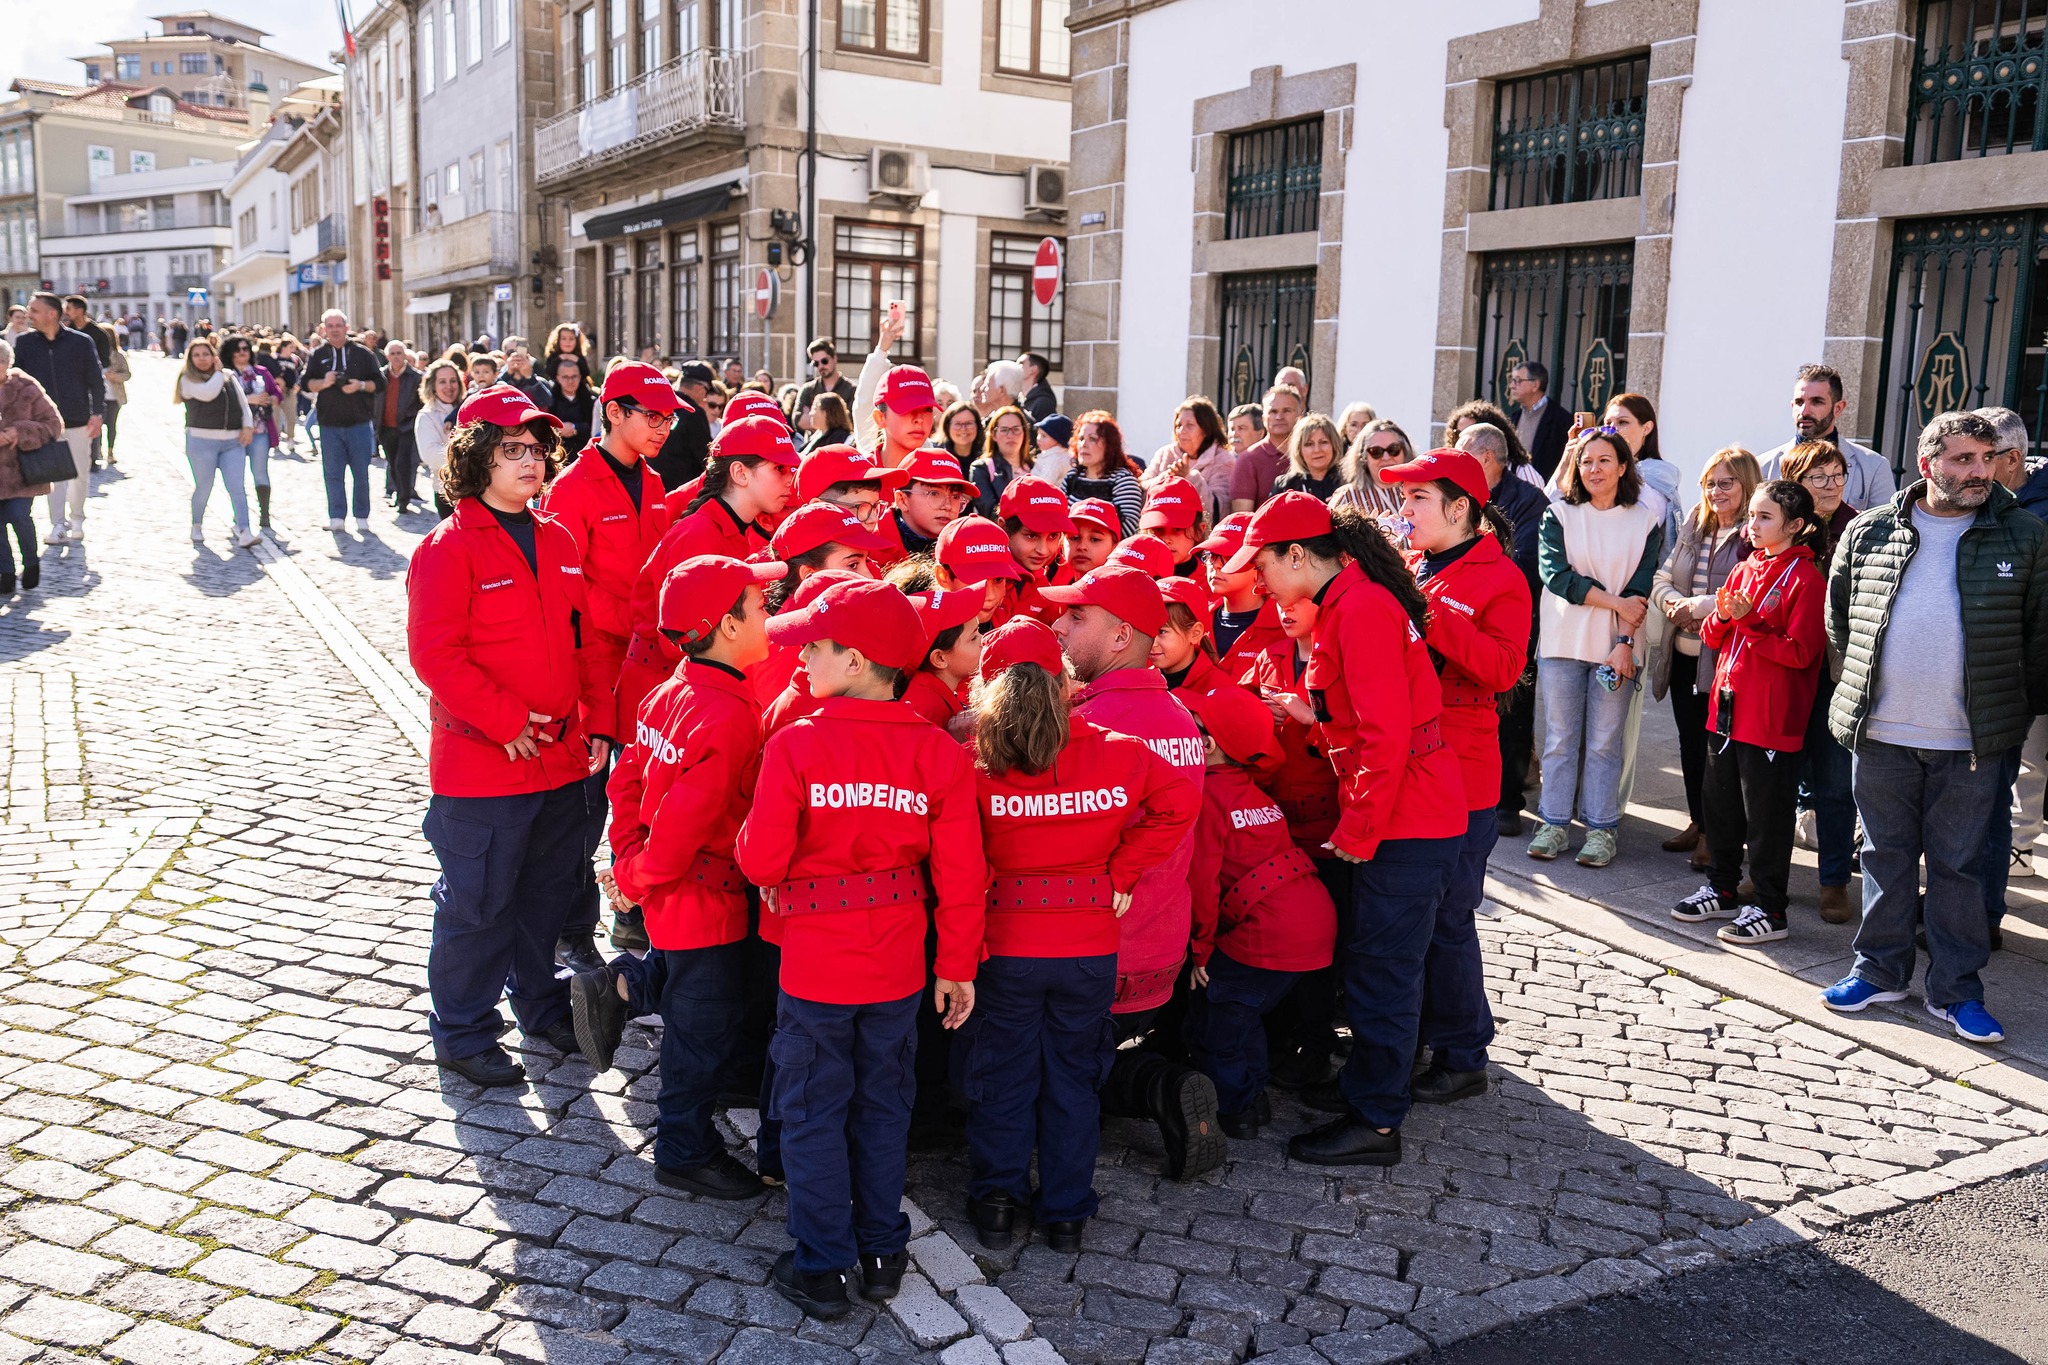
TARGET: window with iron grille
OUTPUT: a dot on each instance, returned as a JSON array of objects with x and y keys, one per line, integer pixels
[
  {"x": 1978, "y": 68},
  {"x": 1568, "y": 308},
  {"x": 1275, "y": 180},
  {"x": 1966, "y": 325},
  {"x": 726, "y": 304},
  {"x": 618, "y": 274},
  {"x": 873, "y": 264},
  {"x": 684, "y": 263},
  {"x": 1269, "y": 321},
  {"x": 1567, "y": 137},
  {"x": 647, "y": 294},
  {"x": 1015, "y": 321}
]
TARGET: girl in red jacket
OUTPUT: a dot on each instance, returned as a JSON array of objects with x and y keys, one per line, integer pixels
[
  {"x": 1181, "y": 651},
  {"x": 1246, "y": 622},
  {"x": 1401, "y": 802},
  {"x": 1096, "y": 533},
  {"x": 1034, "y": 516},
  {"x": 1770, "y": 635},
  {"x": 493, "y": 594},
  {"x": 952, "y": 623},
  {"x": 1071, "y": 815},
  {"x": 1479, "y": 627},
  {"x": 1261, "y": 917}
]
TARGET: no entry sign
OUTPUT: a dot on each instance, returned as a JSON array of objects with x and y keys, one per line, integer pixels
[
  {"x": 767, "y": 292},
  {"x": 1045, "y": 272}
]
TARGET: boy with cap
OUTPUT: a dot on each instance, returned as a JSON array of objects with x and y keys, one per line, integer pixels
[
  {"x": 1097, "y": 528},
  {"x": 1034, "y": 515},
  {"x": 952, "y": 623},
  {"x": 973, "y": 552},
  {"x": 1246, "y": 623},
  {"x": 1173, "y": 511},
  {"x": 1181, "y": 649},
  {"x": 1106, "y": 628},
  {"x": 811, "y": 540},
  {"x": 1261, "y": 917},
  {"x": 932, "y": 496},
  {"x": 615, "y": 511},
  {"x": 847, "y": 478},
  {"x": 677, "y": 799},
  {"x": 857, "y": 804}
]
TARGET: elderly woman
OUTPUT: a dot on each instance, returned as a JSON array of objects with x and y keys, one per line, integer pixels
[
  {"x": 1379, "y": 443},
  {"x": 28, "y": 421},
  {"x": 1200, "y": 453}
]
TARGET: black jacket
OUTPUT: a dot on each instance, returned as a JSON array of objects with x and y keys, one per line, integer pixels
[
  {"x": 841, "y": 386},
  {"x": 686, "y": 451},
  {"x": 533, "y": 386},
  {"x": 577, "y": 411},
  {"x": 1548, "y": 447},
  {"x": 1522, "y": 503},
  {"x": 1039, "y": 401},
  {"x": 69, "y": 370},
  {"x": 351, "y": 362}
]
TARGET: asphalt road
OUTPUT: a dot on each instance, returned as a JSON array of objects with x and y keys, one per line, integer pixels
[{"x": 1956, "y": 1280}]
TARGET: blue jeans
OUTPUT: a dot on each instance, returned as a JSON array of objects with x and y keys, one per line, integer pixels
[
  {"x": 1825, "y": 790},
  {"x": 700, "y": 994},
  {"x": 1996, "y": 869},
  {"x": 1932, "y": 804},
  {"x": 508, "y": 868},
  {"x": 259, "y": 459},
  {"x": 1582, "y": 721},
  {"x": 1395, "y": 895},
  {"x": 209, "y": 455},
  {"x": 1226, "y": 1027},
  {"x": 345, "y": 452},
  {"x": 16, "y": 512},
  {"x": 844, "y": 1079},
  {"x": 1031, "y": 1059},
  {"x": 1457, "y": 1022}
]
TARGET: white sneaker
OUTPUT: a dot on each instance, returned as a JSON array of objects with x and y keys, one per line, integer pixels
[
  {"x": 336, "y": 524},
  {"x": 198, "y": 534},
  {"x": 1806, "y": 831},
  {"x": 56, "y": 536},
  {"x": 362, "y": 526},
  {"x": 246, "y": 537},
  {"x": 76, "y": 533},
  {"x": 2023, "y": 864}
]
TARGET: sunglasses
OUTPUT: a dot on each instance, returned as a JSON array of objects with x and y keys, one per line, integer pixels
[{"x": 1383, "y": 452}]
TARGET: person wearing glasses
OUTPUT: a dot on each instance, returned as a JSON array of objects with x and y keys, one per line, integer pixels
[
  {"x": 493, "y": 595},
  {"x": 1379, "y": 444},
  {"x": 825, "y": 376},
  {"x": 615, "y": 510}
]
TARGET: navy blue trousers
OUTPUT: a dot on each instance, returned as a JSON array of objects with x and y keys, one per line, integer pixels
[
  {"x": 1395, "y": 898},
  {"x": 1032, "y": 1059},
  {"x": 845, "y": 1076},
  {"x": 583, "y": 909},
  {"x": 1226, "y": 1028},
  {"x": 767, "y": 966},
  {"x": 700, "y": 994},
  {"x": 1457, "y": 1023},
  {"x": 508, "y": 874}
]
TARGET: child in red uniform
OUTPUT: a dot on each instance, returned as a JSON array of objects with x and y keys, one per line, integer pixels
[
  {"x": 812, "y": 539},
  {"x": 1147, "y": 554},
  {"x": 933, "y": 496},
  {"x": 952, "y": 623},
  {"x": 1071, "y": 817},
  {"x": 973, "y": 552},
  {"x": 1173, "y": 516},
  {"x": 1246, "y": 622},
  {"x": 1181, "y": 649},
  {"x": 1095, "y": 535},
  {"x": 857, "y": 804},
  {"x": 1261, "y": 918},
  {"x": 678, "y": 796},
  {"x": 1034, "y": 516},
  {"x": 844, "y": 477}
]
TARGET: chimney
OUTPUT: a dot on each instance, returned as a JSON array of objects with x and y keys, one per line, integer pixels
[{"x": 259, "y": 105}]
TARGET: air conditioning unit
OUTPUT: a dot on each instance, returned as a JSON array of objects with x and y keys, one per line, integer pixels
[
  {"x": 1045, "y": 191},
  {"x": 896, "y": 174}
]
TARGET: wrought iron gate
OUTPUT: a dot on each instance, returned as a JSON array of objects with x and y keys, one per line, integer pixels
[
  {"x": 1568, "y": 309},
  {"x": 1268, "y": 321}
]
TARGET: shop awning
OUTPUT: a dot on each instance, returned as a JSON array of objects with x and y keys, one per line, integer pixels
[
  {"x": 427, "y": 303},
  {"x": 684, "y": 208}
]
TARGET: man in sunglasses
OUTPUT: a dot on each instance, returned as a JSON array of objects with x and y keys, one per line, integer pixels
[
  {"x": 617, "y": 516},
  {"x": 825, "y": 376}
]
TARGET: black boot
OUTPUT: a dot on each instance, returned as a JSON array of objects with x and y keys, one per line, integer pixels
[
  {"x": 488, "y": 1068},
  {"x": 1065, "y": 1235},
  {"x": 599, "y": 1015},
  {"x": 263, "y": 505},
  {"x": 1182, "y": 1102},
  {"x": 995, "y": 1219},
  {"x": 629, "y": 930},
  {"x": 725, "y": 1176}
]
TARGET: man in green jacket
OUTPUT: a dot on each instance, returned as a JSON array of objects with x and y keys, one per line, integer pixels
[{"x": 1938, "y": 603}]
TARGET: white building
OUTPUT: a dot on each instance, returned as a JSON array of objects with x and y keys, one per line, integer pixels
[
  {"x": 146, "y": 243},
  {"x": 252, "y": 287},
  {"x": 314, "y": 161}
]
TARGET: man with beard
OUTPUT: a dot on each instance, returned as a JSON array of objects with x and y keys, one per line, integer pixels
[
  {"x": 1938, "y": 605},
  {"x": 1817, "y": 406}
]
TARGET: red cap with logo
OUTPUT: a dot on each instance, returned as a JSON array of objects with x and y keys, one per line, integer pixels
[
  {"x": 1127, "y": 594},
  {"x": 699, "y": 592},
  {"x": 906, "y": 389},
  {"x": 1189, "y": 594},
  {"x": 1227, "y": 536},
  {"x": 754, "y": 403},
  {"x": 1174, "y": 505},
  {"x": 935, "y": 466},
  {"x": 945, "y": 608},
  {"x": 868, "y": 615},
  {"x": 1038, "y": 505},
  {"x": 820, "y": 523},
  {"x": 762, "y": 437},
  {"x": 1442, "y": 463},
  {"x": 812, "y": 588},
  {"x": 828, "y": 465},
  {"x": 1237, "y": 720},
  {"x": 1145, "y": 553},
  {"x": 503, "y": 406},
  {"x": 635, "y": 382},
  {"x": 1020, "y": 640},
  {"x": 1098, "y": 512},
  {"x": 1291, "y": 516},
  {"x": 976, "y": 550}
]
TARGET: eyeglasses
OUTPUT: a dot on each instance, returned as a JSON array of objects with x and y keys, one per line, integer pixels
[
  {"x": 866, "y": 513},
  {"x": 1724, "y": 485},
  {"x": 1384, "y": 452},
  {"x": 1819, "y": 480},
  {"x": 654, "y": 419},
  {"x": 519, "y": 452}
]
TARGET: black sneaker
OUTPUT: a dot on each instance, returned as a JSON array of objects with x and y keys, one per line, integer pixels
[
  {"x": 1184, "y": 1107},
  {"x": 882, "y": 1276},
  {"x": 577, "y": 950},
  {"x": 1347, "y": 1141},
  {"x": 820, "y": 1296},
  {"x": 629, "y": 931},
  {"x": 599, "y": 1015},
  {"x": 1703, "y": 905},
  {"x": 562, "y": 1038},
  {"x": 725, "y": 1176},
  {"x": 1440, "y": 1086},
  {"x": 489, "y": 1068}
]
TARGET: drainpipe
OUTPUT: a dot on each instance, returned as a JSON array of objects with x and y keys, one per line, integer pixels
[{"x": 810, "y": 205}]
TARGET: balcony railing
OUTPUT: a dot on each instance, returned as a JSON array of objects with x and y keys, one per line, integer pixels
[
  {"x": 332, "y": 237},
  {"x": 178, "y": 284},
  {"x": 695, "y": 92},
  {"x": 479, "y": 247}
]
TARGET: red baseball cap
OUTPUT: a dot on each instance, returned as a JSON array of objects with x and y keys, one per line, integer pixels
[
  {"x": 1146, "y": 553},
  {"x": 867, "y": 614},
  {"x": 1227, "y": 536},
  {"x": 503, "y": 406},
  {"x": 906, "y": 389},
  {"x": 762, "y": 437},
  {"x": 1020, "y": 640},
  {"x": 976, "y": 550},
  {"x": 820, "y": 523},
  {"x": 1291, "y": 516},
  {"x": 1174, "y": 504},
  {"x": 1189, "y": 594},
  {"x": 1127, "y": 594},
  {"x": 699, "y": 592},
  {"x": 1442, "y": 463},
  {"x": 945, "y": 608},
  {"x": 812, "y": 588},
  {"x": 1038, "y": 505},
  {"x": 1098, "y": 512},
  {"x": 754, "y": 403},
  {"x": 828, "y": 465},
  {"x": 935, "y": 466},
  {"x": 635, "y": 382},
  {"x": 1238, "y": 721}
]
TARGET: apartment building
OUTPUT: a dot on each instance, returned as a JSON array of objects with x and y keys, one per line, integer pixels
[
  {"x": 314, "y": 161},
  {"x": 732, "y": 177},
  {"x": 251, "y": 288},
  {"x": 203, "y": 58},
  {"x": 148, "y": 242}
]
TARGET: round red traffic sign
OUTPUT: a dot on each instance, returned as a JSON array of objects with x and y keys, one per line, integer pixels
[
  {"x": 1045, "y": 272},
  {"x": 767, "y": 292}
]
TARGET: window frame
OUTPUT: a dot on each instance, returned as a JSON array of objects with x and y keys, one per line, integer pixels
[
  {"x": 727, "y": 323},
  {"x": 1054, "y": 350},
  {"x": 501, "y": 22},
  {"x": 880, "y": 48},
  {"x": 1537, "y": 164},
  {"x": 910, "y": 349},
  {"x": 686, "y": 293},
  {"x": 476, "y": 33},
  {"x": 1249, "y": 212},
  {"x": 589, "y": 43},
  {"x": 617, "y": 264},
  {"x": 1035, "y": 70},
  {"x": 427, "y": 54},
  {"x": 618, "y": 45}
]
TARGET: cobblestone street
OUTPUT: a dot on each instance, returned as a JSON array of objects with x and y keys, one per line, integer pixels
[{"x": 226, "y": 1140}]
